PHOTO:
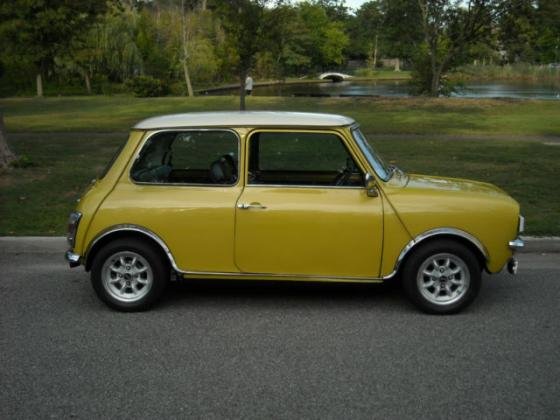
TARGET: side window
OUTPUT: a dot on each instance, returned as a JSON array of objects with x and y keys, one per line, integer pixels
[
  {"x": 188, "y": 157},
  {"x": 296, "y": 158}
]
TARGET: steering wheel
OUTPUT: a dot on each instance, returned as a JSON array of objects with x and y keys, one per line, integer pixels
[{"x": 342, "y": 177}]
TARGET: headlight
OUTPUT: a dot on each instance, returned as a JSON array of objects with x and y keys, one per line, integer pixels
[
  {"x": 521, "y": 227},
  {"x": 73, "y": 221}
]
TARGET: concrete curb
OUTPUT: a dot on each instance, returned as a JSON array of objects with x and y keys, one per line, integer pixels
[{"x": 57, "y": 244}]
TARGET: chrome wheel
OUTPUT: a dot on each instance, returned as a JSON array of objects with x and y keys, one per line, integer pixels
[
  {"x": 443, "y": 279},
  {"x": 127, "y": 276}
]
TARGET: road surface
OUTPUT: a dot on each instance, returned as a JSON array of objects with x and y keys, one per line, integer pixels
[{"x": 275, "y": 350}]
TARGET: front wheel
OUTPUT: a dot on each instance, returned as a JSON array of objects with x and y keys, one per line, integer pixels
[
  {"x": 129, "y": 275},
  {"x": 442, "y": 277}
]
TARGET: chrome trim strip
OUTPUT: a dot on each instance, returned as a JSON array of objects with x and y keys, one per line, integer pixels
[
  {"x": 438, "y": 232},
  {"x": 516, "y": 243},
  {"x": 179, "y": 184},
  {"x": 286, "y": 276},
  {"x": 134, "y": 228}
]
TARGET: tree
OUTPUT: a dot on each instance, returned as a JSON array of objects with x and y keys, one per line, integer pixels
[
  {"x": 321, "y": 39},
  {"x": 367, "y": 29},
  {"x": 449, "y": 28},
  {"x": 402, "y": 30},
  {"x": 6, "y": 155},
  {"x": 517, "y": 30},
  {"x": 42, "y": 30},
  {"x": 243, "y": 24},
  {"x": 547, "y": 22}
]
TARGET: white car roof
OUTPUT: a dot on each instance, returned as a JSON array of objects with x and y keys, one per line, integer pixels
[{"x": 245, "y": 119}]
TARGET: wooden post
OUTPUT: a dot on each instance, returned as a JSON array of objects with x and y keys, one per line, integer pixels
[{"x": 6, "y": 155}]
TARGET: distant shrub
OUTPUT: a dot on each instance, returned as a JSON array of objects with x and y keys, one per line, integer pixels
[
  {"x": 22, "y": 161},
  {"x": 516, "y": 72},
  {"x": 364, "y": 72},
  {"x": 146, "y": 86}
]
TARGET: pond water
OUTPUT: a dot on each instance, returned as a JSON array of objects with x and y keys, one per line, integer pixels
[{"x": 401, "y": 89}]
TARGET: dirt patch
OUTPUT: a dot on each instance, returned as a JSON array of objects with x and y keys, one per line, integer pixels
[{"x": 6, "y": 180}]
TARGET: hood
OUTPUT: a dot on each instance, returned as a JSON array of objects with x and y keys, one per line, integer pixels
[{"x": 436, "y": 184}]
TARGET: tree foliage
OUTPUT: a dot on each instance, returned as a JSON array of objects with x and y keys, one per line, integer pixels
[
  {"x": 39, "y": 30},
  {"x": 96, "y": 46}
]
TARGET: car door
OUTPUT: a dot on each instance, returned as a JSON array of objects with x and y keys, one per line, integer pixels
[{"x": 304, "y": 210}]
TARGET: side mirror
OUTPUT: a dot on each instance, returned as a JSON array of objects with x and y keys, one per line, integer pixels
[{"x": 371, "y": 187}]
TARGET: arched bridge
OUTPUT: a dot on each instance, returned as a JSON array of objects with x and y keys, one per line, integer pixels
[{"x": 334, "y": 76}]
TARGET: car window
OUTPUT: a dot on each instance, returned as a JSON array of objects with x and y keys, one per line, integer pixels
[
  {"x": 188, "y": 157},
  {"x": 301, "y": 158}
]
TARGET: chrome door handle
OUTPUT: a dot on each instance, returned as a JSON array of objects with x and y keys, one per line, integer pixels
[{"x": 246, "y": 206}]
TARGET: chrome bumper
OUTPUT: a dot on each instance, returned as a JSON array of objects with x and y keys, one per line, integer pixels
[
  {"x": 513, "y": 264},
  {"x": 73, "y": 259},
  {"x": 516, "y": 244}
]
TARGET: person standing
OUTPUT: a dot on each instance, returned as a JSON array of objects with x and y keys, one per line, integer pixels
[{"x": 249, "y": 85}]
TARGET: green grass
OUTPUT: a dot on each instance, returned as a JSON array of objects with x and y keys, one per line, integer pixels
[
  {"x": 397, "y": 116},
  {"x": 36, "y": 200},
  {"x": 61, "y": 138}
]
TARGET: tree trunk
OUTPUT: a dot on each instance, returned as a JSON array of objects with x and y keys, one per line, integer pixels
[
  {"x": 242, "y": 78},
  {"x": 434, "y": 88},
  {"x": 88, "y": 82},
  {"x": 185, "y": 23},
  {"x": 6, "y": 155},
  {"x": 397, "y": 64},
  {"x": 39, "y": 85},
  {"x": 187, "y": 78},
  {"x": 375, "y": 52}
]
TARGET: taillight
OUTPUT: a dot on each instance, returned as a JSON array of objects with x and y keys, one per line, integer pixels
[{"x": 73, "y": 221}]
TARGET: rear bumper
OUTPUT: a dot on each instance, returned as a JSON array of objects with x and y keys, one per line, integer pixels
[{"x": 73, "y": 259}]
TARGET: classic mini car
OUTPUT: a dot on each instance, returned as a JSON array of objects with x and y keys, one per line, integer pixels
[{"x": 283, "y": 196}]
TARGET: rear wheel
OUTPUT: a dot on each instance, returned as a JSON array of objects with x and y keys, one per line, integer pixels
[
  {"x": 129, "y": 274},
  {"x": 442, "y": 277}
]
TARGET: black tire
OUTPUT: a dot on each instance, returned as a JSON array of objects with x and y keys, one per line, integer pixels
[
  {"x": 446, "y": 296},
  {"x": 104, "y": 277}
]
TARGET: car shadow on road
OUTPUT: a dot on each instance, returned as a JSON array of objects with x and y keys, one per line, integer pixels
[{"x": 264, "y": 293}]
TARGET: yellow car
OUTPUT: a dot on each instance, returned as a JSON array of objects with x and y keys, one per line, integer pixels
[{"x": 283, "y": 196}]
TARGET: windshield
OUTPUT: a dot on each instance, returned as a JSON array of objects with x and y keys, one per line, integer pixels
[{"x": 372, "y": 156}]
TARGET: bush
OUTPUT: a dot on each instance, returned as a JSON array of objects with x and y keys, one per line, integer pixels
[
  {"x": 22, "y": 162},
  {"x": 146, "y": 86}
]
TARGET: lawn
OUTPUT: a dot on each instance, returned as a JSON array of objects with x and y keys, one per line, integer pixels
[
  {"x": 69, "y": 140},
  {"x": 384, "y": 115}
]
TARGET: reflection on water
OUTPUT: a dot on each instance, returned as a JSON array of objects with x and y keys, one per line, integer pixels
[
  {"x": 402, "y": 89},
  {"x": 509, "y": 90}
]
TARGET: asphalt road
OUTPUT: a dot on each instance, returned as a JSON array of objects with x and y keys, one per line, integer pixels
[{"x": 269, "y": 350}]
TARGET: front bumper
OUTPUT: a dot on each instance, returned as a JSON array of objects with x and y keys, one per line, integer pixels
[
  {"x": 73, "y": 259},
  {"x": 516, "y": 244}
]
